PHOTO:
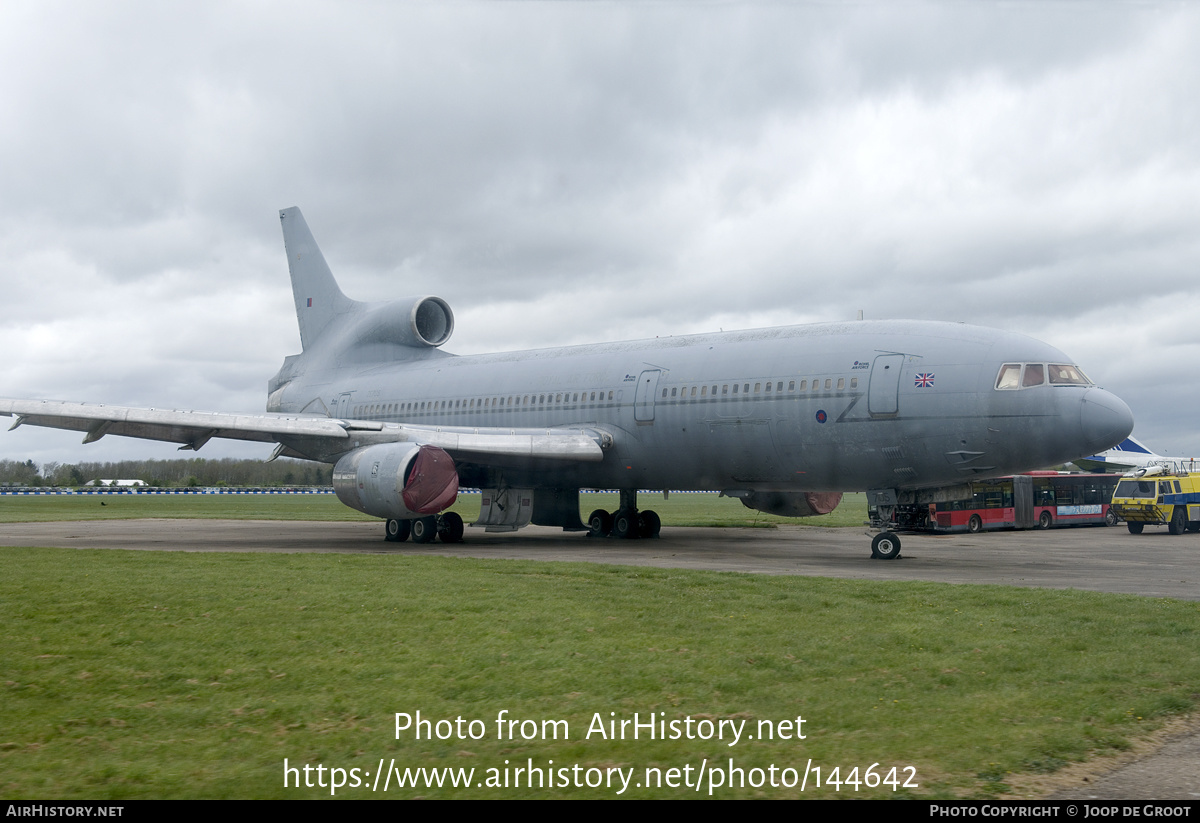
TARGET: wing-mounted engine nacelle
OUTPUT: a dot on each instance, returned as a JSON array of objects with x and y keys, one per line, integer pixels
[
  {"x": 396, "y": 480},
  {"x": 793, "y": 504},
  {"x": 409, "y": 321}
]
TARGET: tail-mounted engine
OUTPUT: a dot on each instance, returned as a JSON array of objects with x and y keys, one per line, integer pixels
[
  {"x": 397, "y": 481},
  {"x": 410, "y": 321}
]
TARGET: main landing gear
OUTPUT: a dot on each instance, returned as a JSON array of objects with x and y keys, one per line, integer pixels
[
  {"x": 881, "y": 504},
  {"x": 626, "y": 522},
  {"x": 447, "y": 526}
]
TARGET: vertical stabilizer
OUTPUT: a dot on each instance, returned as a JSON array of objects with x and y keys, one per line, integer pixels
[{"x": 318, "y": 298}]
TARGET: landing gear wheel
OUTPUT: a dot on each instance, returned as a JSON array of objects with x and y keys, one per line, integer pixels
[
  {"x": 649, "y": 524},
  {"x": 424, "y": 529},
  {"x": 600, "y": 523},
  {"x": 1045, "y": 520},
  {"x": 885, "y": 546},
  {"x": 974, "y": 525},
  {"x": 1135, "y": 528},
  {"x": 450, "y": 527},
  {"x": 396, "y": 531},
  {"x": 625, "y": 524},
  {"x": 1179, "y": 521}
]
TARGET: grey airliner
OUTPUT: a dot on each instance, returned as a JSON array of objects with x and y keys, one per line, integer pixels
[{"x": 785, "y": 419}]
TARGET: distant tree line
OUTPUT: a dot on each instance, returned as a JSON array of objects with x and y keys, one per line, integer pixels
[{"x": 194, "y": 472}]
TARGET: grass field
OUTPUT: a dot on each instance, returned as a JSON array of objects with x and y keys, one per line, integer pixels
[{"x": 145, "y": 674}]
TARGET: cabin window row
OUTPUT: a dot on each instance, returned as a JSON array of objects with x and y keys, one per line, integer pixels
[
  {"x": 760, "y": 388},
  {"x": 528, "y": 400}
]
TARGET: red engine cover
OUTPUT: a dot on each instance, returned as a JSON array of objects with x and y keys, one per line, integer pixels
[
  {"x": 823, "y": 502},
  {"x": 432, "y": 482}
]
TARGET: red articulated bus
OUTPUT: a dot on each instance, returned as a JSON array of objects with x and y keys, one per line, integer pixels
[{"x": 1040, "y": 500}]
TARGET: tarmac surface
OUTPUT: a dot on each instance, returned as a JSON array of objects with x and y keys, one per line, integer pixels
[{"x": 1154, "y": 564}]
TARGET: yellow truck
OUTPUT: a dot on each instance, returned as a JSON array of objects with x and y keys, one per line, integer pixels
[{"x": 1159, "y": 497}]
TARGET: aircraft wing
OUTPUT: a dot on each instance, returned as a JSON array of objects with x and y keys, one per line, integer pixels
[
  {"x": 193, "y": 429},
  {"x": 1092, "y": 464}
]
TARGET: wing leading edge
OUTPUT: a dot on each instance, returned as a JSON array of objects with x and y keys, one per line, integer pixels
[{"x": 311, "y": 437}]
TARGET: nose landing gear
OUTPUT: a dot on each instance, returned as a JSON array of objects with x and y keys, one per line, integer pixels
[{"x": 881, "y": 504}]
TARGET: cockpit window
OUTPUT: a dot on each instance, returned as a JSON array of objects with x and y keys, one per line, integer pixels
[
  {"x": 1069, "y": 375},
  {"x": 1014, "y": 376},
  {"x": 1010, "y": 376}
]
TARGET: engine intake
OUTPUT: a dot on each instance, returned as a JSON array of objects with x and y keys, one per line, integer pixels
[
  {"x": 396, "y": 480},
  {"x": 410, "y": 321},
  {"x": 793, "y": 504}
]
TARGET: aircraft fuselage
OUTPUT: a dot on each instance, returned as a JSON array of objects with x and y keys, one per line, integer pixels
[{"x": 827, "y": 407}]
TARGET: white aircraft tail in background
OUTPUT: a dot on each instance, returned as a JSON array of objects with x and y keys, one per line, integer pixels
[{"x": 1129, "y": 454}]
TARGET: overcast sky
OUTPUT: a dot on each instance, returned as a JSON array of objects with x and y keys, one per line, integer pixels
[{"x": 576, "y": 172}]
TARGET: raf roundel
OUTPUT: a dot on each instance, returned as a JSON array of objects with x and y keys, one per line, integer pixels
[{"x": 821, "y": 416}]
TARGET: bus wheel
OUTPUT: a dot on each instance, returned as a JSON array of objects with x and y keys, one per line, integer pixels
[
  {"x": 974, "y": 525},
  {"x": 1110, "y": 518},
  {"x": 1135, "y": 528},
  {"x": 885, "y": 546},
  {"x": 1045, "y": 521},
  {"x": 1178, "y": 521}
]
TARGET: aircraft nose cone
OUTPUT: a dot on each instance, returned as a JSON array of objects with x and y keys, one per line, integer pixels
[{"x": 1104, "y": 420}]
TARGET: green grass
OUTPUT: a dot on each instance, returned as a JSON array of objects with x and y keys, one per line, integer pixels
[
  {"x": 677, "y": 510},
  {"x": 45, "y": 508},
  {"x": 145, "y": 674}
]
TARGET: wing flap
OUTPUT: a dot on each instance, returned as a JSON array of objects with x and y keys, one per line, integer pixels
[{"x": 550, "y": 444}]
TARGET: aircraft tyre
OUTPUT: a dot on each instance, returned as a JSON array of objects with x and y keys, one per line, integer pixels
[
  {"x": 625, "y": 524},
  {"x": 424, "y": 529},
  {"x": 1045, "y": 521},
  {"x": 396, "y": 531},
  {"x": 1135, "y": 528},
  {"x": 649, "y": 524},
  {"x": 1178, "y": 523},
  {"x": 600, "y": 523},
  {"x": 885, "y": 546},
  {"x": 974, "y": 525},
  {"x": 450, "y": 527}
]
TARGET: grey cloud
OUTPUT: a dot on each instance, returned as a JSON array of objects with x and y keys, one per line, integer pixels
[{"x": 572, "y": 172}]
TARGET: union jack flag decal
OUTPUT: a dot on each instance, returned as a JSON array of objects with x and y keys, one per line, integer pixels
[{"x": 924, "y": 380}]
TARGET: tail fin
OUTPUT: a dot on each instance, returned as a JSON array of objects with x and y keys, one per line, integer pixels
[
  {"x": 318, "y": 298},
  {"x": 1131, "y": 445}
]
